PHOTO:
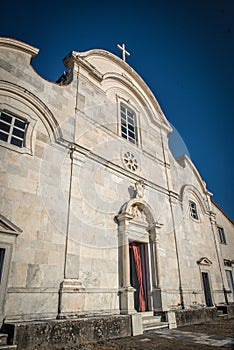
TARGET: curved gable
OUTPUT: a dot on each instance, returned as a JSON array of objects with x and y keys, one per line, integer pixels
[
  {"x": 18, "y": 46},
  {"x": 185, "y": 162},
  {"x": 104, "y": 66}
]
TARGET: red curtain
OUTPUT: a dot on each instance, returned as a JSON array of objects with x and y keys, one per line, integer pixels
[{"x": 137, "y": 260}]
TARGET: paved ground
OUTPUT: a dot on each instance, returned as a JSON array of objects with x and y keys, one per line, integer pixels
[{"x": 209, "y": 336}]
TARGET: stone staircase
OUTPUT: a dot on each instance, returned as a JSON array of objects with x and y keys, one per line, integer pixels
[
  {"x": 151, "y": 322},
  {"x": 222, "y": 312},
  {"x": 3, "y": 343}
]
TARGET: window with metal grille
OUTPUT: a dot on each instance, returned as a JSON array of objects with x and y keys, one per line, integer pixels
[
  {"x": 128, "y": 124},
  {"x": 12, "y": 129},
  {"x": 222, "y": 237},
  {"x": 193, "y": 210}
]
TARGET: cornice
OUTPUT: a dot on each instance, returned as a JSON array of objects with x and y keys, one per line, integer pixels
[{"x": 18, "y": 45}]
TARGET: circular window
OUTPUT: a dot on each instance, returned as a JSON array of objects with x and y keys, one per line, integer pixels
[{"x": 130, "y": 161}]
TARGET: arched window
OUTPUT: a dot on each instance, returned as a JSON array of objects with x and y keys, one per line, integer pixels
[{"x": 193, "y": 210}]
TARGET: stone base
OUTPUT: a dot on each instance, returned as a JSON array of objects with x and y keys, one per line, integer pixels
[
  {"x": 71, "y": 285},
  {"x": 70, "y": 298},
  {"x": 171, "y": 319},
  {"x": 67, "y": 334},
  {"x": 127, "y": 301},
  {"x": 157, "y": 299},
  {"x": 137, "y": 326}
]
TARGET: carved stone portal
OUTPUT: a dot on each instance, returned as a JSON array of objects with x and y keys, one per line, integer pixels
[{"x": 136, "y": 224}]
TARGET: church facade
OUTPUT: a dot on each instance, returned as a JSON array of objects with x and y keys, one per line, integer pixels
[{"x": 97, "y": 216}]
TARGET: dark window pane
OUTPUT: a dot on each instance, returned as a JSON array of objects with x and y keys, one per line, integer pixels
[
  {"x": 4, "y": 127},
  {"x": 2, "y": 254},
  {"x": 16, "y": 142},
  {"x": 131, "y": 134},
  {"x": 20, "y": 124},
  {"x": 3, "y": 136},
  {"x": 131, "y": 127},
  {"x": 124, "y": 129},
  {"x": 130, "y": 120},
  {"x": 6, "y": 118},
  {"x": 132, "y": 140},
  {"x": 124, "y": 136},
  {"x": 130, "y": 114},
  {"x": 222, "y": 237},
  {"x": 193, "y": 210},
  {"x": 18, "y": 132}
]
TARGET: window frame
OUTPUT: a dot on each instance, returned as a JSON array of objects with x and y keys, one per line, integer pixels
[
  {"x": 222, "y": 236},
  {"x": 130, "y": 124},
  {"x": 193, "y": 210},
  {"x": 13, "y": 128},
  {"x": 28, "y": 146},
  {"x": 6, "y": 263},
  {"x": 2, "y": 257},
  {"x": 230, "y": 281}
]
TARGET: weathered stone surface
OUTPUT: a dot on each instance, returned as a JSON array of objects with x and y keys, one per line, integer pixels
[
  {"x": 67, "y": 334},
  {"x": 137, "y": 327},
  {"x": 187, "y": 317},
  {"x": 71, "y": 190}
]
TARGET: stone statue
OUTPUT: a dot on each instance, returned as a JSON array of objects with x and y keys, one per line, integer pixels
[{"x": 139, "y": 189}]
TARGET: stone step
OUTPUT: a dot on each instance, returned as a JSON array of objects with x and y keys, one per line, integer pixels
[
  {"x": 223, "y": 316},
  {"x": 3, "y": 338},
  {"x": 151, "y": 320},
  {"x": 8, "y": 347},
  {"x": 158, "y": 325},
  {"x": 219, "y": 312},
  {"x": 146, "y": 314}
]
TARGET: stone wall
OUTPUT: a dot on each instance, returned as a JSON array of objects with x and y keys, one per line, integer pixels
[
  {"x": 187, "y": 317},
  {"x": 230, "y": 310},
  {"x": 67, "y": 334}
]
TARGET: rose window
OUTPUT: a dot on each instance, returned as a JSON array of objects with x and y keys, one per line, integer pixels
[{"x": 130, "y": 161}]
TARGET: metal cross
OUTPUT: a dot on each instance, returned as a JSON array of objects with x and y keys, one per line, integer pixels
[{"x": 124, "y": 52}]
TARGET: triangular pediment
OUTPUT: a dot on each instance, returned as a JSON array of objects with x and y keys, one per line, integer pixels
[
  {"x": 6, "y": 226},
  {"x": 204, "y": 261}
]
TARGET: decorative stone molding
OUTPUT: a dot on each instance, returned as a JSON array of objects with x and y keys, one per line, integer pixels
[
  {"x": 190, "y": 192},
  {"x": 71, "y": 285},
  {"x": 19, "y": 46},
  {"x": 204, "y": 261},
  {"x": 136, "y": 223},
  {"x": 212, "y": 218},
  {"x": 7, "y": 227}
]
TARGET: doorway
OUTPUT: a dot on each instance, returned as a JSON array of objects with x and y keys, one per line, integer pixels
[
  {"x": 207, "y": 290},
  {"x": 140, "y": 276},
  {"x": 230, "y": 282}
]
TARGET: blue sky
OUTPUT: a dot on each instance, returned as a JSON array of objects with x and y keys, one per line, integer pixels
[{"x": 183, "y": 49}]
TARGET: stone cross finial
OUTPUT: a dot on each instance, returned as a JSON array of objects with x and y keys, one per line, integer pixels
[{"x": 124, "y": 52}]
